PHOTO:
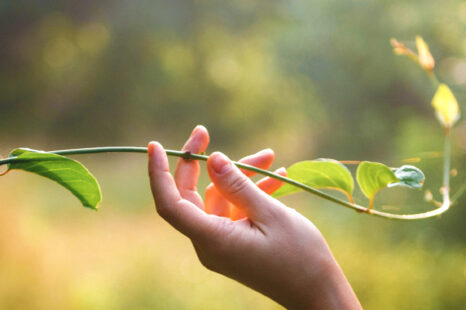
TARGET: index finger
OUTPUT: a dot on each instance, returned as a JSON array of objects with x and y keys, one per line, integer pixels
[
  {"x": 180, "y": 213},
  {"x": 187, "y": 171}
]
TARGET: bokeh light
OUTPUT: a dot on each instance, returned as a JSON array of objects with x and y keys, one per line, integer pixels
[{"x": 309, "y": 79}]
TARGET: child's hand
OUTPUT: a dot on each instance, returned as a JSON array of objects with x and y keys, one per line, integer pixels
[{"x": 268, "y": 246}]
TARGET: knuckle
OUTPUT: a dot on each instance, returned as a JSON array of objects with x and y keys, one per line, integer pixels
[
  {"x": 163, "y": 210},
  {"x": 279, "y": 213},
  {"x": 238, "y": 184},
  {"x": 151, "y": 174},
  {"x": 188, "y": 187}
]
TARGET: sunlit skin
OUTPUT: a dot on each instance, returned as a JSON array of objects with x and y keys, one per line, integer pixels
[{"x": 240, "y": 231}]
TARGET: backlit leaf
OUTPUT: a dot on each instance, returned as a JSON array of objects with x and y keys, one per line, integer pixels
[
  {"x": 425, "y": 57},
  {"x": 400, "y": 49},
  {"x": 446, "y": 106},
  {"x": 408, "y": 176},
  {"x": 67, "y": 172},
  {"x": 374, "y": 176},
  {"x": 322, "y": 173}
]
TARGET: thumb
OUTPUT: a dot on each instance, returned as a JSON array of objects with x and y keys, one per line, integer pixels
[{"x": 239, "y": 189}]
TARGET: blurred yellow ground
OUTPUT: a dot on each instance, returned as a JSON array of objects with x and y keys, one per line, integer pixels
[{"x": 55, "y": 254}]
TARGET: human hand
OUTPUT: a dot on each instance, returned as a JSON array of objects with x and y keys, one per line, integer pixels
[{"x": 246, "y": 234}]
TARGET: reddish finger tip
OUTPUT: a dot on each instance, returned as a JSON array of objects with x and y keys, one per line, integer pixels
[
  {"x": 152, "y": 147},
  {"x": 267, "y": 151},
  {"x": 201, "y": 135},
  {"x": 281, "y": 171},
  {"x": 195, "y": 130},
  {"x": 198, "y": 129}
]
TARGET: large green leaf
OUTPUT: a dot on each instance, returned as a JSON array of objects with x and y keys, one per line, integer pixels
[
  {"x": 322, "y": 173},
  {"x": 408, "y": 176},
  {"x": 374, "y": 176},
  {"x": 67, "y": 172}
]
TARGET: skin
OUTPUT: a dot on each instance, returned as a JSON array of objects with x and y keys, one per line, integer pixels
[{"x": 240, "y": 231}]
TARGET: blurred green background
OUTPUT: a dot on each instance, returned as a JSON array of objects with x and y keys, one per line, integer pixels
[{"x": 306, "y": 78}]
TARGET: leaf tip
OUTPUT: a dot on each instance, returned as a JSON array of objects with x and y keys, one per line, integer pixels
[
  {"x": 93, "y": 208},
  {"x": 400, "y": 49},
  {"x": 425, "y": 57}
]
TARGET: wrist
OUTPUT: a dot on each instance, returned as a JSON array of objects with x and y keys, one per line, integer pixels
[
  {"x": 329, "y": 289},
  {"x": 320, "y": 286}
]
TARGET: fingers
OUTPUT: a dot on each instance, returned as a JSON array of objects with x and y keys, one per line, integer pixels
[
  {"x": 180, "y": 213},
  {"x": 262, "y": 159},
  {"x": 187, "y": 171},
  {"x": 215, "y": 203},
  {"x": 268, "y": 185},
  {"x": 238, "y": 188}
]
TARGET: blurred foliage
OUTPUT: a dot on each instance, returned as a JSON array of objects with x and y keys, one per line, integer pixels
[{"x": 307, "y": 78}]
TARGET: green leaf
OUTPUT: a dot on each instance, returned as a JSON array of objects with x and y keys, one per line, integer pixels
[
  {"x": 408, "y": 176},
  {"x": 67, "y": 172},
  {"x": 374, "y": 176},
  {"x": 322, "y": 173}
]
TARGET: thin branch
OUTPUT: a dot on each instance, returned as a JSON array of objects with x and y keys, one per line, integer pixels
[{"x": 187, "y": 155}]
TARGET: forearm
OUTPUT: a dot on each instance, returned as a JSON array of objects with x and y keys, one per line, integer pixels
[{"x": 306, "y": 283}]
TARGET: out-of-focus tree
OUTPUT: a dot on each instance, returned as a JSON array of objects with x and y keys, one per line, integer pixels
[{"x": 308, "y": 78}]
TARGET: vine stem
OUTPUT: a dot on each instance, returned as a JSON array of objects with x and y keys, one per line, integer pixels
[{"x": 189, "y": 156}]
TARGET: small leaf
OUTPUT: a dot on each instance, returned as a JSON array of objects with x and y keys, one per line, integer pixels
[
  {"x": 322, "y": 173},
  {"x": 446, "y": 106},
  {"x": 67, "y": 172},
  {"x": 374, "y": 176},
  {"x": 400, "y": 49},
  {"x": 425, "y": 57},
  {"x": 408, "y": 176}
]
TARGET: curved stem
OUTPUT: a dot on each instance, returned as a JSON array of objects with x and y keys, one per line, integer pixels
[
  {"x": 433, "y": 79},
  {"x": 189, "y": 156},
  {"x": 446, "y": 162}
]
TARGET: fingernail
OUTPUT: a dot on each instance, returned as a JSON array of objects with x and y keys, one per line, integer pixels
[
  {"x": 220, "y": 163},
  {"x": 158, "y": 151},
  {"x": 157, "y": 155}
]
